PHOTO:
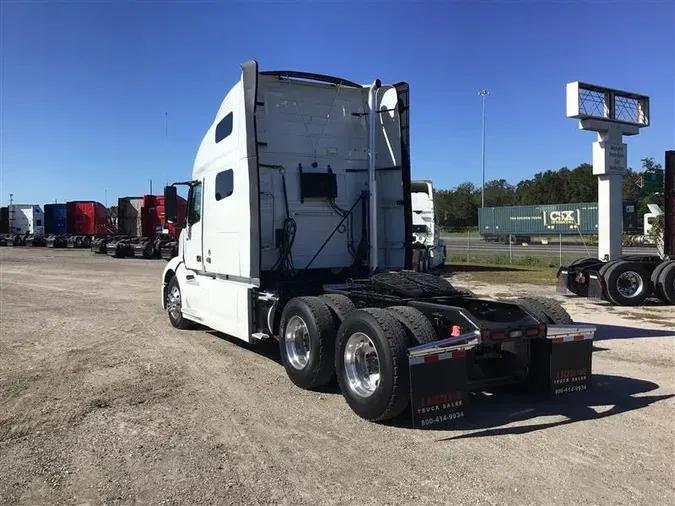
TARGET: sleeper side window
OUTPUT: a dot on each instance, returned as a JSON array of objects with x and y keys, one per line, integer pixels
[
  {"x": 224, "y": 128},
  {"x": 195, "y": 202},
  {"x": 224, "y": 184}
]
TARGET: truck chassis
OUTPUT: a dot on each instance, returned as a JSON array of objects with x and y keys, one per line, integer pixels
[{"x": 404, "y": 338}]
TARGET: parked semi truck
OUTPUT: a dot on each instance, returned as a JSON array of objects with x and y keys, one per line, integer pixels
[
  {"x": 630, "y": 280},
  {"x": 142, "y": 230},
  {"x": 298, "y": 229},
  {"x": 23, "y": 225},
  {"x": 429, "y": 250}
]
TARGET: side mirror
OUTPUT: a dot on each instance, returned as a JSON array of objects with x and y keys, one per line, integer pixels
[{"x": 171, "y": 204}]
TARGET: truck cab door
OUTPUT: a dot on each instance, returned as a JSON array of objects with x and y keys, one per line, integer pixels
[{"x": 193, "y": 246}]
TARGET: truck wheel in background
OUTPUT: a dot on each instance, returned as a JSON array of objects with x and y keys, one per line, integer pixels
[
  {"x": 371, "y": 364},
  {"x": 417, "y": 327},
  {"x": 656, "y": 274},
  {"x": 627, "y": 283},
  {"x": 78, "y": 241},
  {"x": 556, "y": 313},
  {"x": 86, "y": 241},
  {"x": 307, "y": 342},
  {"x": 174, "y": 305},
  {"x": 666, "y": 283},
  {"x": 340, "y": 306},
  {"x": 148, "y": 250}
]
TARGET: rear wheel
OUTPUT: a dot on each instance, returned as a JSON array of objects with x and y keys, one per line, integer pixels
[
  {"x": 556, "y": 313},
  {"x": 371, "y": 364},
  {"x": 417, "y": 327},
  {"x": 148, "y": 250},
  {"x": 340, "y": 306},
  {"x": 656, "y": 274},
  {"x": 627, "y": 283},
  {"x": 174, "y": 305},
  {"x": 535, "y": 308},
  {"x": 307, "y": 342},
  {"x": 666, "y": 283}
]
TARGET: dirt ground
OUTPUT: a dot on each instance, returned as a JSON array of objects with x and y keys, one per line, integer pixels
[{"x": 102, "y": 402}]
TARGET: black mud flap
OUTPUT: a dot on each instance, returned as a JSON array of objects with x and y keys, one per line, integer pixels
[
  {"x": 561, "y": 363},
  {"x": 439, "y": 381}
]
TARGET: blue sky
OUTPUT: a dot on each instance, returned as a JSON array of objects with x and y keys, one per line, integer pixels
[{"x": 85, "y": 85}]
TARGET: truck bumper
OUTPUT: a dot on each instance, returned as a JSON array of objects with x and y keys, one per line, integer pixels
[{"x": 439, "y": 372}]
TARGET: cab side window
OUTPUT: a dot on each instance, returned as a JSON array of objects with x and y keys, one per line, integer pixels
[
  {"x": 195, "y": 203},
  {"x": 224, "y": 184}
]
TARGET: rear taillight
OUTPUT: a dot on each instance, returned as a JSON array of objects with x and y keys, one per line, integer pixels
[
  {"x": 532, "y": 331},
  {"x": 496, "y": 336}
]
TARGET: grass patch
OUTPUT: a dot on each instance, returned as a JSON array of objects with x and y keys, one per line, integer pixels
[{"x": 536, "y": 270}]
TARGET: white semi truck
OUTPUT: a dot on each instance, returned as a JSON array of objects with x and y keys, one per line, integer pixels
[
  {"x": 298, "y": 229},
  {"x": 429, "y": 250}
]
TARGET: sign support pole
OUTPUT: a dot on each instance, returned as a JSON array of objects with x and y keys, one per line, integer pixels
[{"x": 612, "y": 114}]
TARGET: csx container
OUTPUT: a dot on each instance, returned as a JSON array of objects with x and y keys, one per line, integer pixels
[
  {"x": 56, "y": 219},
  {"x": 555, "y": 219},
  {"x": 86, "y": 217}
]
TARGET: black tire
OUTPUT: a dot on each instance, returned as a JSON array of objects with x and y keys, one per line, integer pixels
[
  {"x": 78, "y": 241},
  {"x": 176, "y": 317},
  {"x": 612, "y": 275},
  {"x": 148, "y": 250},
  {"x": 417, "y": 327},
  {"x": 656, "y": 273},
  {"x": 666, "y": 283},
  {"x": 86, "y": 241},
  {"x": 340, "y": 306},
  {"x": 392, "y": 394},
  {"x": 318, "y": 370},
  {"x": 557, "y": 314},
  {"x": 535, "y": 308}
]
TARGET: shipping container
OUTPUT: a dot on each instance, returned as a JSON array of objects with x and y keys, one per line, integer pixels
[
  {"x": 4, "y": 220},
  {"x": 56, "y": 219},
  {"x": 548, "y": 220},
  {"x": 129, "y": 216},
  {"x": 26, "y": 219},
  {"x": 87, "y": 217}
]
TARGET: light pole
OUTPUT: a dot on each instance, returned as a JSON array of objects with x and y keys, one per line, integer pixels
[{"x": 483, "y": 93}]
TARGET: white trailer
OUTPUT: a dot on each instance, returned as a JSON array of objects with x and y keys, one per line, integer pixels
[
  {"x": 26, "y": 219},
  {"x": 429, "y": 249},
  {"x": 298, "y": 229}
]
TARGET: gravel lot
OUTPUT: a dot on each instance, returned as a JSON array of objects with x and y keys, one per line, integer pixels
[{"x": 102, "y": 402}]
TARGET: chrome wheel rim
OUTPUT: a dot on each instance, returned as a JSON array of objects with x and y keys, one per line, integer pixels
[
  {"x": 173, "y": 302},
  {"x": 629, "y": 284},
  {"x": 297, "y": 344},
  {"x": 362, "y": 365}
]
